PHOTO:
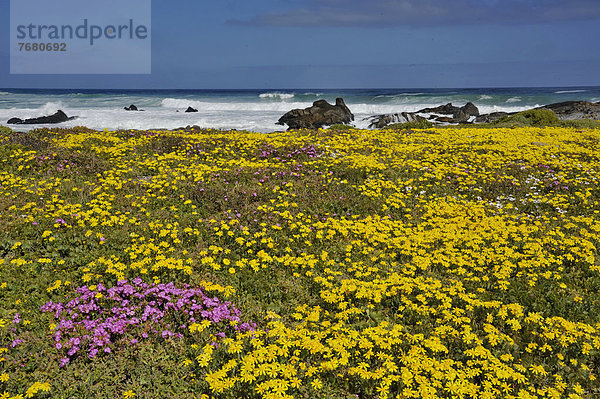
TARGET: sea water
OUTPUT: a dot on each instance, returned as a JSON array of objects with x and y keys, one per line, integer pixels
[{"x": 256, "y": 110}]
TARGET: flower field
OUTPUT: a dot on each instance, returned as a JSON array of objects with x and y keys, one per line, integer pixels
[{"x": 441, "y": 263}]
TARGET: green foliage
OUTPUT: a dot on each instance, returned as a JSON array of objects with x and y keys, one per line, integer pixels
[
  {"x": 532, "y": 117},
  {"x": 582, "y": 124},
  {"x": 5, "y": 130}
]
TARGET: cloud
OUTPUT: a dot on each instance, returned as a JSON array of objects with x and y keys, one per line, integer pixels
[{"x": 383, "y": 13}]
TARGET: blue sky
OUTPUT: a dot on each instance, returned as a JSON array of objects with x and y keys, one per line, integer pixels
[{"x": 241, "y": 44}]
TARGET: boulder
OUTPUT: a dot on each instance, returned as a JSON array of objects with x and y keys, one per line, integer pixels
[
  {"x": 58, "y": 117},
  {"x": 570, "y": 110},
  {"x": 320, "y": 114},
  {"x": 460, "y": 116},
  {"x": 190, "y": 109},
  {"x": 470, "y": 109},
  {"x": 447, "y": 109},
  {"x": 132, "y": 107},
  {"x": 381, "y": 121}
]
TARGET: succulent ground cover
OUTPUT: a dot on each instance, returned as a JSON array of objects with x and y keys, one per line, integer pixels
[{"x": 401, "y": 263}]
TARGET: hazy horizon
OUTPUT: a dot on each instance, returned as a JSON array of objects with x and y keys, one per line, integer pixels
[{"x": 343, "y": 44}]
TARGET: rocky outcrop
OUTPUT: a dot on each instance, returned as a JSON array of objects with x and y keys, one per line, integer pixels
[
  {"x": 320, "y": 114},
  {"x": 459, "y": 114},
  {"x": 570, "y": 110},
  {"x": 58, "y": 117},
  {"x": 132, "y": 107},
  {"x": 381, "y": 121},
  {"x": 190, "y": 109},
  {"x": 469, "y": 113},
  {"x": 439, "y": 114},
  {"x": 470, "y": 109},
  {"x": 492, "y": 117}
]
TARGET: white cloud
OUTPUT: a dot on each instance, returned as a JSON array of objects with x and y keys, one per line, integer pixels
[{"x": 428, "y": 12}]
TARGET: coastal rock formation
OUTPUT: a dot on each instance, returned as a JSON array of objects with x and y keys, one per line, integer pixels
[
  {"x": 469, "y": 113},
  {"x": 459, "y": 114},
  {"x": 320, "y": 114},
  {"x": 492, "y": 117},
  {"x": 570, "y": 110},
  {"x": 381, "y": 121},
  {"x": 190, "y": 109},
  {"x": 132, "y": 107},
  {"x": 443, "y": 114},
  {"x": 58, "y": 117}
]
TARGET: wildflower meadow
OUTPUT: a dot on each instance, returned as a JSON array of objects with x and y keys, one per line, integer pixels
[{"x": 339, "y": 263}]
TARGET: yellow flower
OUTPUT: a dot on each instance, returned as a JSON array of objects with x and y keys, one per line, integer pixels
[{"x": 316, "y": 383}]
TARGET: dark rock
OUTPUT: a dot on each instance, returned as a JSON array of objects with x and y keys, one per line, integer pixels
[
  {"x": 447, "y": 109},
  {"x": 190, "y": 109},
  {"x": 320, "y": 114},
  {"x": 58, "y": 117},
  {"x": 492, "y": 117},
  {"x": 444, "y": 119},
  {"x": 131, "y": 108},
  {"x": 460, "y": 115},
  {"x": 381, "y": 121},
  {"x": 570, "y": 110},
  {"x": 470, "y": 109}
]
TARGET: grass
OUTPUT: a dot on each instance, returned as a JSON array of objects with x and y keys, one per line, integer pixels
[{"x": 338, "y": 263}]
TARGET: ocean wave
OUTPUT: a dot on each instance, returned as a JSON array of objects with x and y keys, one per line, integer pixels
[
  {"x": 4, "y": 93},
  {"x": 514, "y": 100},
  {"x": 485, "y": 97},
  {"x": 281, "y": 96},
  {"x": 569, "y": 91},
  {"x": 242, "y": 106}
]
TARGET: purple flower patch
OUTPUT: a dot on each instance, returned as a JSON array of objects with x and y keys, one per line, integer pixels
[{"x": 125, "y": 314}]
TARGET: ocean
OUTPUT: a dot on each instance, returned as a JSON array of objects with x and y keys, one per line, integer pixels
[{"x": 256, "y": 110}]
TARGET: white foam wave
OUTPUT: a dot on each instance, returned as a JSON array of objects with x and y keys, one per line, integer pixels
[
  {"x": 281, "y": 96},
  {"x": 569, "y": 91},
  {"x": 48, "y": 108},
  {"x": 496, "y": 108},
  {"x": 514, "y": 100},
  {"x": 243, "y": 114},
  {"x": 4, "y": 93},
  {"x": 485, "y": 97},
  {"x": 176, "y": 103}
]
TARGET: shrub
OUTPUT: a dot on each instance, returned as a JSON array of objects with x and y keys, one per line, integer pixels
[
  {"x": 532, "y": 117},
  {"x": 582, "y": 124}
]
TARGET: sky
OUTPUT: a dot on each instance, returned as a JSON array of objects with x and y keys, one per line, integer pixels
[{"x": 260, "y": 44}]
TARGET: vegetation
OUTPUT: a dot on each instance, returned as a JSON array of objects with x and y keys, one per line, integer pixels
[
  {"x": 340, "y": 126},
  {"x": 541, "y": 118},
  {"x": 447, "y": 263}
]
